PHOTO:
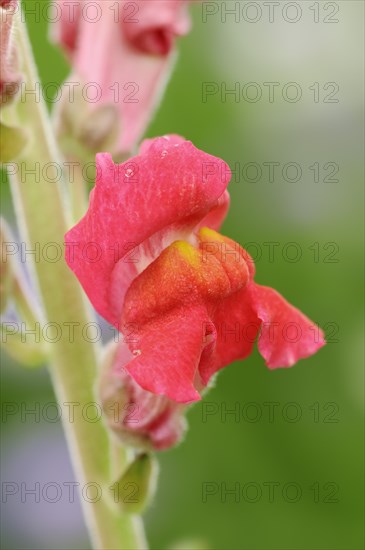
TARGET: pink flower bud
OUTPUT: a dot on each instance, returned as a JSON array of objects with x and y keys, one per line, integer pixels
[{"x": 126, "y": 54}]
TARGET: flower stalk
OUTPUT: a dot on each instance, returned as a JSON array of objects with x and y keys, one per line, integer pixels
[{"x": 40, "y": 208}]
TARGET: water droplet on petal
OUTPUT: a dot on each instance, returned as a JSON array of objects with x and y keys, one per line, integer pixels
[
  {"x": 163, "y": 154},
  {"x": 128, "y": 173}
]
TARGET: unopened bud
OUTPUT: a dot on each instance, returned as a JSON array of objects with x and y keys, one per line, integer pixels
[{"x": 137, "y": 417}]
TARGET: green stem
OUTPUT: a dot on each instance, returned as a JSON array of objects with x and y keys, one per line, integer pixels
[
  {"x": 41, "y": 212},
  {"x": 78, "y": 191},
  {"x": 26, "y": 304}
]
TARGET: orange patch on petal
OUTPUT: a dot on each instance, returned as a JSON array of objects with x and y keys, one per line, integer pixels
[{"x": 182, "y": 275}]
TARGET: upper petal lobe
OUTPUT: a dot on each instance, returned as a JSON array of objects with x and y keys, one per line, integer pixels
[{"x": 140, "y": 205}]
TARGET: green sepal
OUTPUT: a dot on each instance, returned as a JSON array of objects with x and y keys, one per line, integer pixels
[{"x": 136, "y": 487}]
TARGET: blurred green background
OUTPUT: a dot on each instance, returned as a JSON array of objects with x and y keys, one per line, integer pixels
[{"x": 314, "y": 440}]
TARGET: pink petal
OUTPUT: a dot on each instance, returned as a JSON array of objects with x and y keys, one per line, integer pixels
[
  {"x": 145, "y": 204},
  {"x": 236, "y": 327},
  {"x": 217, "y": 215},
  {"x": 66, "y": 30},
  {"x": 159, "y": 21},
  {"x": 173, "y": 139},
  {"x": 169, "y": 350},
  {"x": 287, "y": 335}
]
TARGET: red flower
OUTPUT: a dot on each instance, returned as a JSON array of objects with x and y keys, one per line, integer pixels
[
  {"x": 151, "y": 262},
  {"x": 125, "y": 51}
]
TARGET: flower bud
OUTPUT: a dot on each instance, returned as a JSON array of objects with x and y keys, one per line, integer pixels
[
  {"x": 128, "y": 60},
  {"x": 137, "y": 417},
  {"x": 136, "y": 487}
]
